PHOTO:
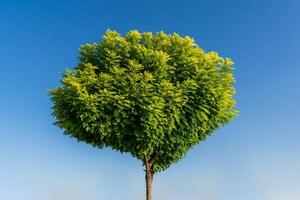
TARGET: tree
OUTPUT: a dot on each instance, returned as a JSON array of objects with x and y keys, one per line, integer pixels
[{"x": 153, "y": 96}]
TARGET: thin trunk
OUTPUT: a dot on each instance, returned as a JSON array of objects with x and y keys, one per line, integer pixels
[{"x": 149, "y": 179}]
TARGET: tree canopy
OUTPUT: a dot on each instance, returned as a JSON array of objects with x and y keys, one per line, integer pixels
[{"x": 151, "y": 95}]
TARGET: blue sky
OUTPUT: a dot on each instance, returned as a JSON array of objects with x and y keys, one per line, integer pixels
[{"x": 254, "y": 158}]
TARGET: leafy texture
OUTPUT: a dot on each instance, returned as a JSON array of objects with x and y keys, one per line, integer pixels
[{"x": 153, "y": 96}]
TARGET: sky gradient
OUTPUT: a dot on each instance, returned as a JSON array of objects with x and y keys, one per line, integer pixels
[{"x": 256, "y": 157}]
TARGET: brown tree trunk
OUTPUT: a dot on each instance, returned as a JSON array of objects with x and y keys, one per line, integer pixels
[{"x": 149, "y": 179}]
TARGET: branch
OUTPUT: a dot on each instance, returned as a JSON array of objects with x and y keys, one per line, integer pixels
[{"x": 153, "y": 159}]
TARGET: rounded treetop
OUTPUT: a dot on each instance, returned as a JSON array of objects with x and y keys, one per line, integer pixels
[{"x": 154, "y": 96}]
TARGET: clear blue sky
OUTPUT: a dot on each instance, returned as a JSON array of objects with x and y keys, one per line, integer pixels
[{"x": 254, "y": 158}]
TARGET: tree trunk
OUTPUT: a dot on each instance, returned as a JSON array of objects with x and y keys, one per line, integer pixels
[{"x": 149, "y": 179}]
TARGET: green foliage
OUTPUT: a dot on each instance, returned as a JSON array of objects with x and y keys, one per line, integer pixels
[{"x": 153, "y": 96}]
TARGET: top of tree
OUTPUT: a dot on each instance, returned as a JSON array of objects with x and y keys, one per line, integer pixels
[{"x": 151, "y": 95}]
